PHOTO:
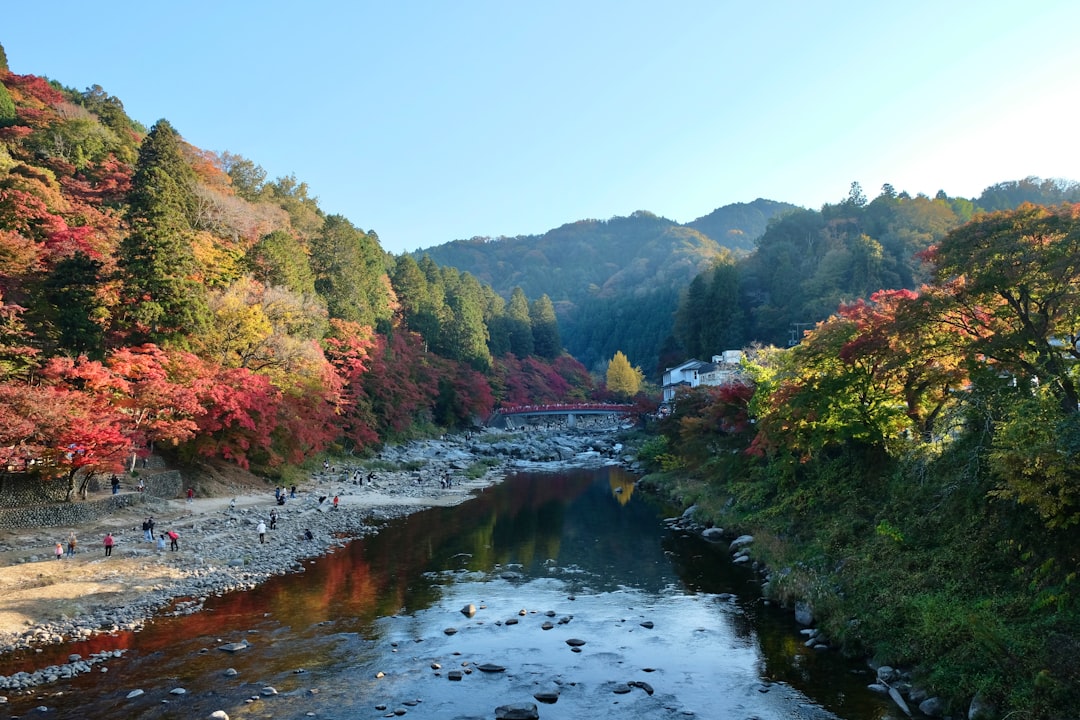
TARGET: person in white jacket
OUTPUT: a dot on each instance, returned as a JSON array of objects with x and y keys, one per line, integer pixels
[{"x": 262, "y": 531}]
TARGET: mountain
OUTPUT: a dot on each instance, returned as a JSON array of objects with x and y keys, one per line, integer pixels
[
  {"x": 614, "y": 283},
  {"x": 738, "y": 225}
]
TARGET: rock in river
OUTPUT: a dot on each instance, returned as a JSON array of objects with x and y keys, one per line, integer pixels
[{"x": 520, "y": 711}]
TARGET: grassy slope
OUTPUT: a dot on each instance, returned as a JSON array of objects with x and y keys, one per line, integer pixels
[{"x": 914, "y": 565}]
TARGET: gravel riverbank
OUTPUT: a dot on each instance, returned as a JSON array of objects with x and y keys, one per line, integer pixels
[{"x": 45, "y": 601}]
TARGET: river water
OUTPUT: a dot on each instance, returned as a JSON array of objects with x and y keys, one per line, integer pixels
[{"x": 671, "y": 628}]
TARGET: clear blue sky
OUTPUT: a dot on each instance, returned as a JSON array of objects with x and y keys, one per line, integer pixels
[{"x": 434, "y": 121}]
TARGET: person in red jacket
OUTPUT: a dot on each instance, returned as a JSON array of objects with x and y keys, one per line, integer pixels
[{"x": 109, "y": 541}]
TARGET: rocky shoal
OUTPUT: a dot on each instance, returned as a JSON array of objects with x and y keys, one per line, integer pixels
[{"x": 207, "y": 566}]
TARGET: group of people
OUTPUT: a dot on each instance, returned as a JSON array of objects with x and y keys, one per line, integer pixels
[
  {"x": 73, "y": 542},
  {"x": 148, "y": 535},
  {"x": 358, "y": 477},
  {"x": 281, "y": 494}
]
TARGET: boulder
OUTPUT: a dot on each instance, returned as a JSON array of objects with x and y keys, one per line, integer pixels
[
  {"x": 740, "y": 541},
  {"x": 981, "y": 709},
  {"x": 932, "y": 707},
  {"x": 519, "y": 711},
  {"x": 804, "y": 615}
]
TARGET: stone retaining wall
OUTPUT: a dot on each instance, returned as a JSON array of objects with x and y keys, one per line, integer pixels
[
  {"x": 62, "y": 514},
  {"x": 19, "y": 489}
]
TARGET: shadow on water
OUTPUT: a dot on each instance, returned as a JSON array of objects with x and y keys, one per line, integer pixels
[{"x": 367, "y": 625}]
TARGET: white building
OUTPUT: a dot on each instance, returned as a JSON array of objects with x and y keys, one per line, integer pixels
[{"x": 722, "y": 369}]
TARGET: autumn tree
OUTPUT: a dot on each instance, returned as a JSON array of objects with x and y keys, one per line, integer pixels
[
  {"x": 248, "y": 179},
  {"x": 1011, "y": 284},
  {"x": 622, "y": 378},
  {"x": 162, "y": 296},
  {"x": 1010, "y": 289},
  {"x": 293, "y": 196},
  {"x": 55, "y": 432},
  {"x": 18, "y": 356}
]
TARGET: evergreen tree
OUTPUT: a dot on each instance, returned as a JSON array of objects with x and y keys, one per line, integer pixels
[
  {"x": 496, "y": 321},
  {"x": 465, "y": 336},
  {"x": 279, "y": 259},
  {"x": 725, "y": 329},
  {"x": 545, "y": 328},
  {"x": 71, "y": 293},
  {"x": 8, "y": 113},
  {"x": 162, "y": 296},
  {"x": 414, "y": 296},
  {"x": 519, "y": 324},
  {"x": 349, "y": 273},
  {"x": 692, "y": 315}
]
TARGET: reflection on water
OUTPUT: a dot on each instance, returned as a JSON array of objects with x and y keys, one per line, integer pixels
[{"x": 366, "y": 627}]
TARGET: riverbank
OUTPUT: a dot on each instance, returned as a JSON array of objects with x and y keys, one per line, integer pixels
[{"x": 46, "y": 601}]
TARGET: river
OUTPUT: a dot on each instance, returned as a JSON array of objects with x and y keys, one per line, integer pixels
[{"x": 668, "y": 627}]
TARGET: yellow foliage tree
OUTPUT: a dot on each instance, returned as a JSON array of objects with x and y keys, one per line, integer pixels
[{"x": 623, "y": 379}]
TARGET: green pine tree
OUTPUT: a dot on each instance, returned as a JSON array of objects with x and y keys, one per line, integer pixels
[
  {"x": 545, "y": 328},
  {"x": 71, "y": 293},
  {"x": 520, "y": 324},
  {"x": 162, "y": 297},
  {"x": 278, "y": 258},
  {"x": 8, "y": 114},
  {"x": 350, "y": 272}
]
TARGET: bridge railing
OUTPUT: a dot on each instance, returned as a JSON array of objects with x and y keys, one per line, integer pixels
[{"x": 560, "y": 408}]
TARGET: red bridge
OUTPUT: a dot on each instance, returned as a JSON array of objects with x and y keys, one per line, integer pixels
[{"x": 503, "y": 414}]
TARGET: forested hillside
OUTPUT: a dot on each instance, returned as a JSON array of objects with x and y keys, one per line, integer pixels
[
  {"x": 614, "y": 283},
  {"x": 157, "y": 296},
  {"x": 808, "y": 262},
  {"x": 758, "y": 272},
  {"x": 910, "y": 466}
]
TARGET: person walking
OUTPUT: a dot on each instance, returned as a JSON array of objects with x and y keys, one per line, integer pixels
[
  {"x": 59, "y": 550},
  {"x": 115, "y": 482},
  {"x": 147, "y": 531},
  {"x": 261, "y": 529},
  {"x": 335, "y": 502},
  {"x": 190, "y": 494},
  {"x": 109, "y": 542},
  {"x": 72, "y": 543},
  {"x": 273, "y": 519}
]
